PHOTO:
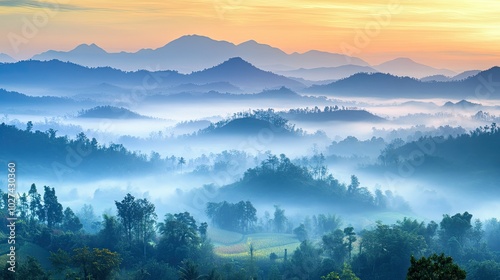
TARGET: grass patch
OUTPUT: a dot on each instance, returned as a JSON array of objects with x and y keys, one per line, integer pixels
[
  {"x": 224, "y": 237},
  {"x": 263, "y": 243}
]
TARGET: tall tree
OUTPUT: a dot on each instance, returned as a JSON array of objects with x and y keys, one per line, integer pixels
[
  {"x": 70, "y": 221},
  {"x": 52, "y": 207},
  {"x": 145, "y": 221},
  {"x": 110, "y": 233},
  {"x": 334, "y": 246},
  {"x": 179, "y": 239},
  {"x": 351, "y": 238},
  {"x": 279, "y": 219},
  {"x": 35, "y": 205},
  {"x": 305, "y": 262},
  {"x": 181, "y": 162},
  {"x": 127, "y": 212}
]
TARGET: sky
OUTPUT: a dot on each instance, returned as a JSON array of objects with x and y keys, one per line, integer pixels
[{"x": 458, "y": 34}]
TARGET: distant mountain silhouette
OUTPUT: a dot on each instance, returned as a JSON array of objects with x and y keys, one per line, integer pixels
[
  {"x": 56, "y": 74},
  {"x": 12, "y": 98},
  {"x": 243, "y": 74},
  {"x": 193, "y": 53},
  {"x": 6, "y": 58},
  {"x": 408, "y": 67},
  {"x": 443, "y": 78},
  {"x": 389, "y": 86},
  {"x": 196, "y": 88},
  {"x": 327, "y": 73},
  {"x": 436, "y": 78},
  {"x": 109, "y": 112},
  {"x": 465, "y": 75},
  {"x": 282, "y": 94},
  {"x": 462, "y": 104}
]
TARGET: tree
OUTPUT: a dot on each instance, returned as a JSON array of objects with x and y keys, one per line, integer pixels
[
  {"x": 110, "y": 233},
  {"x": 29, "y": 126},
  {"x": 53, "y": 208},
  {"x": 181, "y": 162},
  {"x": 37, "y": 211},
  {"x": 179, "y": 238},
  {"x": 127, "y": 212},
  {"x": 70, "y": 221},
  {"x": 434, "y": 268},
  {"x": 353, "y": 187},
  {"x": 279, "y": 219},
  {"x": 189, "y": 271},
  {"x": 385, "y": 252},
  {"x": 305, "y": 262},
  {"x": 88, "y": 218},
  {"x": 326, "y": 223},
  {"x": 300, "y": 232},
  {"x": 237, "y": 217},
  {"x": 485, "y": 270},
  {"x": 203, "y": 231},
  {"x": 351, "y": 238},
  {"x": 334, "y": 246},
  {"x": 23, "y": 206},
  {"x": 346, "y": 274},
  {"x": 453, "y": 231},
  {"x": 145, "y": 219},
  {"x": 97, "y": 264}
]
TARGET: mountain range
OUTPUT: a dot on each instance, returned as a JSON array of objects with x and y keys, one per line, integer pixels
[
  {"x": 390, "y": 86},
  {"x": 407, "y": 67},
  {"x": 443, "y": 78},
  {"x": 58, "y": 75},
  {"x": 234, "y": 73},
  {"x": 194, "y": 53}
]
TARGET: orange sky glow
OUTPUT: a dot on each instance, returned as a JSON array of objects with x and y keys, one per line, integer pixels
[{"x": 458, "y": 35}]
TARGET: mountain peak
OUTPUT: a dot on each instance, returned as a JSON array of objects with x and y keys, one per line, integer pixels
[
  {"x": 195, "y": 39},
  {"x": 89, "y": 49},
  {"x": 6, "y": 58},
  {"x": 235, "y": 63},
  {"x": 400, "y": 60}
]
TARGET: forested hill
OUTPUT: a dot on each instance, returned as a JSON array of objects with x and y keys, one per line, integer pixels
[
  {"x": 469, "y": 160},
  {"x": 110, "y": 112},
  {"x": 278, "y": 180},
  {"x": 59, "y": 157},
  {"x": 331, "y": 113}
]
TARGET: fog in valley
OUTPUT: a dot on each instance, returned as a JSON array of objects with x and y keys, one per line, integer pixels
[{"x": 359, "y": 151}]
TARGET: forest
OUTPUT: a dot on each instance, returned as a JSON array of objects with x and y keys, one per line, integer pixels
[{"x": 132, "y": 242}]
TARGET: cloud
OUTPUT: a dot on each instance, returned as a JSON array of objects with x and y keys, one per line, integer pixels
[{"x": 40, "y": 4}]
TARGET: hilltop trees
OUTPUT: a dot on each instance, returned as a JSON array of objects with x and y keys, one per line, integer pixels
[{"x": 238, "y": 217}]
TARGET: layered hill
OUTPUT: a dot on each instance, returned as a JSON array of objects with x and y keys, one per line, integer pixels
[{"x": 382, "y": 85}]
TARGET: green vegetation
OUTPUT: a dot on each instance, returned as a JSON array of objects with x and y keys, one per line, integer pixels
[{"x": 133, "y": 245}]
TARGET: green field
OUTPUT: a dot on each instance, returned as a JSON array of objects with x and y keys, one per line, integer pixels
[{"x": 237, "y": 246}]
